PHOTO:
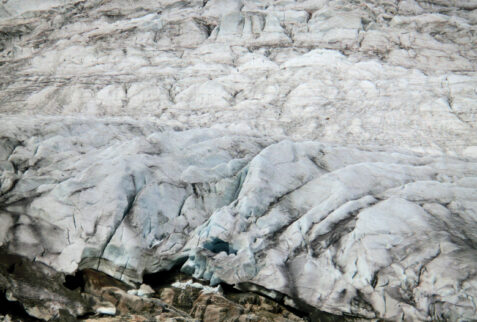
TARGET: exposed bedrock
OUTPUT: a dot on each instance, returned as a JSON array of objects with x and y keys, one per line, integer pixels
[{"x": 365, "y": 232}]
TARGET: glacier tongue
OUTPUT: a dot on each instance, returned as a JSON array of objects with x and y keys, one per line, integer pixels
[
  {"x": 322, "y": 153},
  {"x": 371, "y": 233}
]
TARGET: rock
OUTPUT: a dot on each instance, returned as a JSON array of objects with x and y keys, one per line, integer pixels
[
  {"x": 182, "y": 298},
  {"x": 93, "y": 282},
  {"x": 145, "y": 290},
  {"x": 128, "y": 303},
  {"x": 226, "y": 305},
  {"x": 111, "y": 300},
  {"x": 106, "y": 310},
  {"x": 212, "y": 307},
  {"x": 206, "y": 310},
  {"x": 5, "y": 318},
  {"x": 167, "y": 295},
  {"x": 32, "y": 289}
]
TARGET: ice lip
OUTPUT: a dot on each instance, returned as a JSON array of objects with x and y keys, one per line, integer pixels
[{"x": 327, "y": 227}]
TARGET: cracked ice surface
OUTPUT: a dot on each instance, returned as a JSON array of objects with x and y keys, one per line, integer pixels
[{"x": 397, "y": 73}]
